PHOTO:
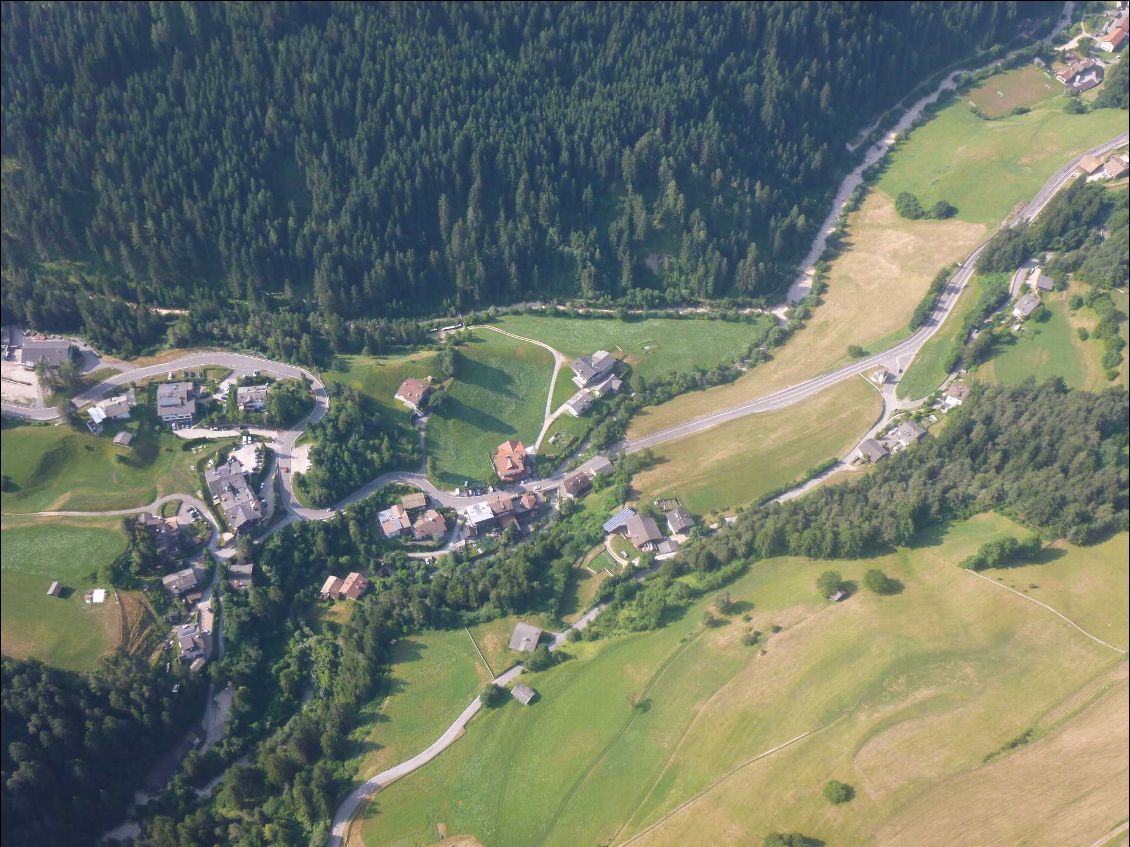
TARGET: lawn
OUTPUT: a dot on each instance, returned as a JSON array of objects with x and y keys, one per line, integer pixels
[
  {"x": 872, "y": 290},
  {"x": 1022, "y": 87},
  {"x": 499, "y": 392},
  {"x": 738, "y": 462},
  {"x": 903, "y": 695},
  {"x": 433, "y": 676},
  {"x": 986, "y": 168},
  {"x": 583, "y": 583},
  {"x": 653, "y": 347},
  {"x": 380, "y": 376},
  {"x": 1048, "y": 347},
  {"x": 61, "y": 631},
  {"x": 53, "y": 468}
]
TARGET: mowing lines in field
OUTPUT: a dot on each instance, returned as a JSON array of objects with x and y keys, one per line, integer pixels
[
  {"x": 716, "y": 783},
  {"x": 1050, "y": 609}
]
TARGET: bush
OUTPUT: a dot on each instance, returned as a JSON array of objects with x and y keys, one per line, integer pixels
[
  {"x": 836, "y": 792},
  {"x": 1083, "y": 334},
  {"x": 942, "y": 210},
  {"x": 790, "y": 839},
  {"x": 494, "y": 696},
  {"x": 907, "y": 205},
  {"x": 541, "y": 659},
  {"x": 828, "y": 583},
  {"x": 878, "y": 582},
  {"x": 751, "y": 638},
  {"x": 855, "y": 351}
]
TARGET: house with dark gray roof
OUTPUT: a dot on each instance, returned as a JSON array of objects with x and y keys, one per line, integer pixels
[
  {"x": 525, "y": 637},
  {"x": 590, "y": 369},
  {"x": 679, "y": 521},
  {"x": 231, "y": 491},
  {"x": 52, "y": 353},
  {"x": 872, "y": 451},
  {"x": 1025, "y": 306},
  {"x": 643, "y": 532},
  {"x": 523, "y": 694},
  {"x": 908, "y": 432},
  {"x": 176, "y": 402}
]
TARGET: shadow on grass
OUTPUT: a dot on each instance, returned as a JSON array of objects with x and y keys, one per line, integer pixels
[
  {"x": 487, "y": 377},
  {"x": 456, "y": 410}
]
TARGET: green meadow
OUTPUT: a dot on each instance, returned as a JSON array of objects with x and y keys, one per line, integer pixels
[
  {"x": 61, "y": 631},
  {"x": 380, "y": 376},
  {"x": 657, "y": 734}
]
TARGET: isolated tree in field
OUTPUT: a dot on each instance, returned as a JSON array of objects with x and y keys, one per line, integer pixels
[
  {"x": 907, "y": 205},
  {"x": 942, "y": 210},
  {"x": 836, "y": 792},
  {"x": 877, "y": 581},
  {"x": 494, "y": 696},
  {"x": 723, "y": 603},
  {"x": 855, "y": 351},
  {"x": 828, "y": 583}
]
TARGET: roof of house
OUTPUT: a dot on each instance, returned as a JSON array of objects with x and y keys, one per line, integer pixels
[
  {"x": 642, "y": 529},
  {"x": 430, "y": 523},
  {"x": 251, "y": 395},
  {"x": 588, "y": 368},
  {"x": 618, "y": 520},
  {"x": 579, "y": 403},
  {"x": 529, "y": 501},
  {"x": 1115, "y": 37},
  {"x": 97, "y": 414},
  {"x": 51, "y": 352},
  {"x": 908, "y": 432},
  {"x": 180, "y": 582},
  {"x": 354, "y": 585},
  {"x": 575, "y": 484},
  {"x": 679, "y": 520},
  {"x": 1026, "y": 305},
  {"x": 510, "y": 460},
  {"x": 415, "y": 500},
  {"x": 228, "y": 484},
  {"x": 175, "y": 398},
  {"x": 1090, "y": 164},
  {"x": 1116, "y": 167},
  {"x": 118, "y": 407},
  {"x": 523, "y": 694},
  {"x": 331, "y": 587},
  {"x": 609, "y": 386},
  {"x": 872, "y": 450},
  {"x": 957, "y": 390},
  {"x": 244, "y": 569},
  {"x": 197, "y": 664},
  {"x": 525, "y": 637},
  {"x": 1039, "y": 280},
  {"x": 478, "y": 513},
  {"x": 501, "y": 502},
  {"x": 412, "y": 391},
  {"x": 394, "y": 520}
]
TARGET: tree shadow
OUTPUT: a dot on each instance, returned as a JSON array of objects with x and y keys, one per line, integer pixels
[
  {"x": 894, "y": 586},
  {"x": 740, "y": 607},
  {"x": 456, "y": 409},
  {"x": 487, "y": 377}
]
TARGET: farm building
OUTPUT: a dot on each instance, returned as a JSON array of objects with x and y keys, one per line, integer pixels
[
  {"x": 123, "y": 438},
  {"x": 523, "y": 694},
  {"x": 579, "y": 403},
  {"x": 56, "y": 589},
  {"x": 331, "y": 588},
  {"x": 525, "y": 637},
  {"x": 609, "y": 386},
  {"x": 1090, "y": 165},
  {"x": 1116, "y": 167}
]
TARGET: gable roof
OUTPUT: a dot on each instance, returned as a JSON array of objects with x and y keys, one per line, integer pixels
[
  {"x": 642, "y": 529},
  {"x": 430, "y": 523},
  {"x": 523, "y": 694},
  {"x": 679, "y": 520},
  {"x": 412, "y": 391},
  {"x": 575, "y": 484},
  {"x": 354, "y": 585},
  {"x": 1026, "y": 305},
  {"x": 872, "y": 450},
  {"x": 525, "y": 637}
]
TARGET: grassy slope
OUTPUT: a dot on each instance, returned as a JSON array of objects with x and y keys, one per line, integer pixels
[
  {"x": 736, "y": 463},
  {"x": 652, "y": 347},
  {"x": 914, "y": 690},
  {"x": 61, "y": 631},
  {"x": 952, "y": 157},
  {"x": 1025, "y": 87},
  {"x": 873, "y": 288},
  {"x": 499, "y": 393},
  {"x": 380, "y": 376},
  {"x": 57, "y": 468}
]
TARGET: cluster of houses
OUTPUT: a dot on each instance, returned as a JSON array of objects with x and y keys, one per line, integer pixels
[
  {"x": 350, "y": 588},
  {"x": 1080, "y": 74},
  {"x": 193, "y": 643},
  {"x": 644, "y": 533},
  {"x": 413, "y": 518},
  {"x": 1114, "y": 166},
  {"x": 165, "y": 533},
  {"x": 231, "y": 491},
  {"x": 899, "y": 438},
  {"x": 1114, "y": 37},
  {"x": 500, "y": 511},
  {"x": 595, "y": 378}
]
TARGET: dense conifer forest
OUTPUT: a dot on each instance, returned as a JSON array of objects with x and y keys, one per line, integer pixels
[{"x": 354, "y": 160}]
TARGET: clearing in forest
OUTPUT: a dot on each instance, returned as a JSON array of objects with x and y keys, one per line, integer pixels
[
  {"x": 62, "y": 631},
  {"x": 903, "y": 696}
]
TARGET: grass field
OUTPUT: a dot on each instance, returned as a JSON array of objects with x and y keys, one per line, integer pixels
[
  {"x": 985, "y": 168},
  {"x": 653, "y": 347},
  {"x": 1047, "y": 348},
  {"x": 61, "y": 631},
  {"x": 498, "y": 393},
  {"x": 872, "y": 291},
  {"x": 1023, "y": 87},
  {"x": 380, "y": 376},
  {"x": 583, "y": 585},
  {"x": 903, "y": 695},
  {"x": 53, "y": 468},
  {"x": 431, "y": 673},
  {"x": 738, "y": 462}
]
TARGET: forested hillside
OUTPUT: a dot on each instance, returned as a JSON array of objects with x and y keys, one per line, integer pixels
[{"x": 399, "y": 160}]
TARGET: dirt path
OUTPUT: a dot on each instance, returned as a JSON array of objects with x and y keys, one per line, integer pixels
[{"x": 559, "y": 359}]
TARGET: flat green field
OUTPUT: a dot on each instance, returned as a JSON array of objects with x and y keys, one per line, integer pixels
[
  {"x": 499, "y": 392},
  {"x": 653, "y": 347},
  {"x": 738, "y": 462},
  {"x": 652, "y": 738},
  {"x": 431, "y": 673},
  {"x": 985, "y": 168},
  {"x": 1047, "y": 348},
  {"x": 1023, "y": 87},
  {"x": 380, "y": 376},
  {"x": 61, "y": 631},
  {"x": 53, "y": 468}
]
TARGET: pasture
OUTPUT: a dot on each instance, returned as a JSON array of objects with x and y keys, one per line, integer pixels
[
  {"x": 61, "y": 631},
  {"x": 54, "y": 468},
  {"x": 499, "y": 392},
  {"x": 987, "y": 168},
  {"x": 652, "y": 738},
  {"x": 653, "y": 347},
  {"x": 1022, "y": 87},
  {"x": 738, "y": 462},
  {"x": 873, "y": 288},
  {"x": 380, "y": 376}
]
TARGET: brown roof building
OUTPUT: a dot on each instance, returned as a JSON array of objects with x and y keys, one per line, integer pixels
[
  {"x": 576, "y": 485},
  {"x": 501, "y": 503},
  {"x": 412, "y": 393},
  {"x": 510, "y": 461},
  {"x": 354, "y": 585},
  {"x": 415, "y": 501},
  {"x": 643, "y": 532},
  {"x": 431, "y": 525},
  {"x": 331, "y": 588},
  {"x": 394, "y": 520}
]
